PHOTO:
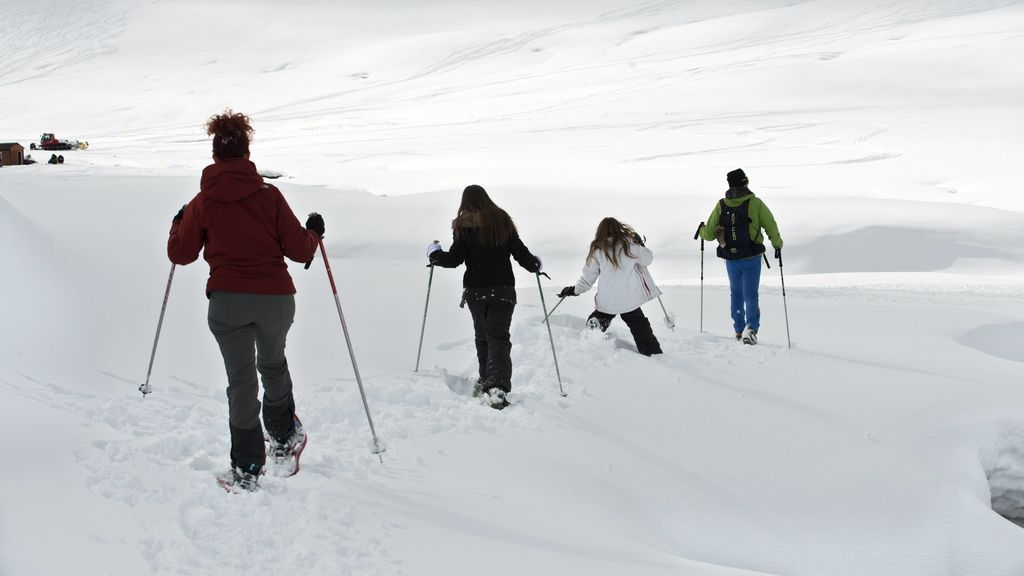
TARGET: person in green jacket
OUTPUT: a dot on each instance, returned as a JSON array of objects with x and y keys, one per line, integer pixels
[{"x": 736, "y": 223}]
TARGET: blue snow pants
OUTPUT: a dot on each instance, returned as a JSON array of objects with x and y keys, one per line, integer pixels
[{"x": 744, "y": 279}]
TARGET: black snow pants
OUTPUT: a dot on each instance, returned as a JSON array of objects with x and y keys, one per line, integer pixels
[
  {"x": 491, "y": 321},
  {"x": 646, "y": 343}
]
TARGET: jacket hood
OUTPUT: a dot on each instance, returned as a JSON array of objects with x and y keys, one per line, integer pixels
[
  {"x": 737, "y": 191},
  {"x": 736, "y": 196},
  {"x": 230, "y": 180}
]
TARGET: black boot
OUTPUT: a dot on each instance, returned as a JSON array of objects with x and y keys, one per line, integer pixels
[{"x": 248, "y": 452}]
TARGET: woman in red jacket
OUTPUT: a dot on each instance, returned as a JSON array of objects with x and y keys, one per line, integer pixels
[{"x": 246, "y": 229}]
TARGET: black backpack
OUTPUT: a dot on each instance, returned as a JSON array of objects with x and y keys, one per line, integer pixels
[{"x": 738, "y": 243}]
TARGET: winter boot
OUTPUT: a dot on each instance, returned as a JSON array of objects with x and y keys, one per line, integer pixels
[
  {"x": 749, "y": 336},
  {"x": 281, "y": 450},
  {"x": 495, "y": 398},
  {"x": 246, "y": 479}
]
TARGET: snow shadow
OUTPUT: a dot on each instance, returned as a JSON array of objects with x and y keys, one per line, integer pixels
[
  {"x": 462, "y": 385},
  {"x": 999, "y": 340},
  {"x": 892, "y": 249},
  {"x": 1004, "y": 469}
]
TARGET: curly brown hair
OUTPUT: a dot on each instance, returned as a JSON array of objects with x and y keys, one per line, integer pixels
[{"x": 232, "y": 132}]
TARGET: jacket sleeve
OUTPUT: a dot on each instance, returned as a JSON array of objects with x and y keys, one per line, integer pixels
[
  {"x": 186, "y": 238},
  {"x": 455, "y": 255},
  {"x": 708, "y": 231},
  {"x": 523, "y": 256},
  {"x": 298, "y": 243},
  {"x": 643, "y": 254},
  {"x": 767, "y": 221},
  {"x": 591, "y": 270}
]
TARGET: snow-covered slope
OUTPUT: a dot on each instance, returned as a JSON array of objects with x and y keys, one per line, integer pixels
[{"x": 882, "y": 135}]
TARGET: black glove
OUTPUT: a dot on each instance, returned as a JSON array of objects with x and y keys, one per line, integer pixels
[
  {"x": 177, "y": 217},
  {"x": 567, "y": 291},
  {"x": 778, "y": 253},
  {"x": 315, "y": 222}
]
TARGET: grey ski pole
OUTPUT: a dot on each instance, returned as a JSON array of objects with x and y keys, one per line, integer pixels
[
  {"x": 348, "y": 340},
  {"x": 695, "y": 236},
  {"x": 430, "y": 281},
  {"x": 544, "y": 307},
  {"x": 785, "y": 308},
  {"x": 145, "y": 388},
  {"x": 668, "y": 320},
  {"x": 548, "y": 315}
]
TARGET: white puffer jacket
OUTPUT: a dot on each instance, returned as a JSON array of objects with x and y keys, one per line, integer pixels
[{"x": 621, "y": 289}]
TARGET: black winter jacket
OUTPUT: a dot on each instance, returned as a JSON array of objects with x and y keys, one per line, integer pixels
[{"x": 485, "y": 266}]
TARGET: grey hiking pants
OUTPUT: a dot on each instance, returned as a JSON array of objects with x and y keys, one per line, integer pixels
[{"x": 251, "y": 330}]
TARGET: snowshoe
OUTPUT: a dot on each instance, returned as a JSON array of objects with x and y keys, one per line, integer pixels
[
  {"x": 749, "y": 336},
  {"x": 283, "y": 457},
  {"x": 236, "y": 481}
]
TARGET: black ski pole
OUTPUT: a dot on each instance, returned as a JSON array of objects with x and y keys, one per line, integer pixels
[
  {"x": 430, "y": 281},
  {"x": 145, "y": 388},
  {"x": 785, "y": 308},
  {"x": 695, "y": 236}
]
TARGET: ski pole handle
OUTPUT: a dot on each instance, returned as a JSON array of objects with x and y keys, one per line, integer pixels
[{"x": 697, "y": 233}]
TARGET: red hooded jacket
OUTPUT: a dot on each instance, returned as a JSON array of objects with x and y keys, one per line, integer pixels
[{"x": 247, "y": 229}]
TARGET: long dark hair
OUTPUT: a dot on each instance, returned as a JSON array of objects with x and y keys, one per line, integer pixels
[
  {"x": 494, "y": 227},
  {"x": 612, "y": 235},
  {"x": 232, "y": 132}
]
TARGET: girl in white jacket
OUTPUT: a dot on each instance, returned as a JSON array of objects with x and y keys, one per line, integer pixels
[{"x": 618, "y": 262}]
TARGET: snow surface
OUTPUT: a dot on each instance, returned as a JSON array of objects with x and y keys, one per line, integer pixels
[{"x": 884, "y": 136}]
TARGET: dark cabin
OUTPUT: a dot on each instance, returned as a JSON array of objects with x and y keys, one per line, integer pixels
[{"x": 12, "y": 153}]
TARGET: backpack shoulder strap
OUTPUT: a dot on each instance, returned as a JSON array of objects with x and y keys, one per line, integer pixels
[{"x": 744, "y": 208}]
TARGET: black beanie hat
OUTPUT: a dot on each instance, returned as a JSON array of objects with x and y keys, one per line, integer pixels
[{"x": 737, "y": 178}]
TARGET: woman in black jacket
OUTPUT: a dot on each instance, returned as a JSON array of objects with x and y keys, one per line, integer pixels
[{"x": 484, "y": 236}]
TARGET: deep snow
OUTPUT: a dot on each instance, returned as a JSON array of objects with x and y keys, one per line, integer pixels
[{"x": 883, "y": 136}]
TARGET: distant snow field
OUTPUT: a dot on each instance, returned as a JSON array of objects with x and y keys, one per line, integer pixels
[{"x": 885, "y": 137}]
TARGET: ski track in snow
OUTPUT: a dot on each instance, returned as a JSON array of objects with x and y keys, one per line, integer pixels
[
  {"x": 881, "y": 443},
  {"x": 65, "y": 33},
  {"x": 606, "y": 82}
]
